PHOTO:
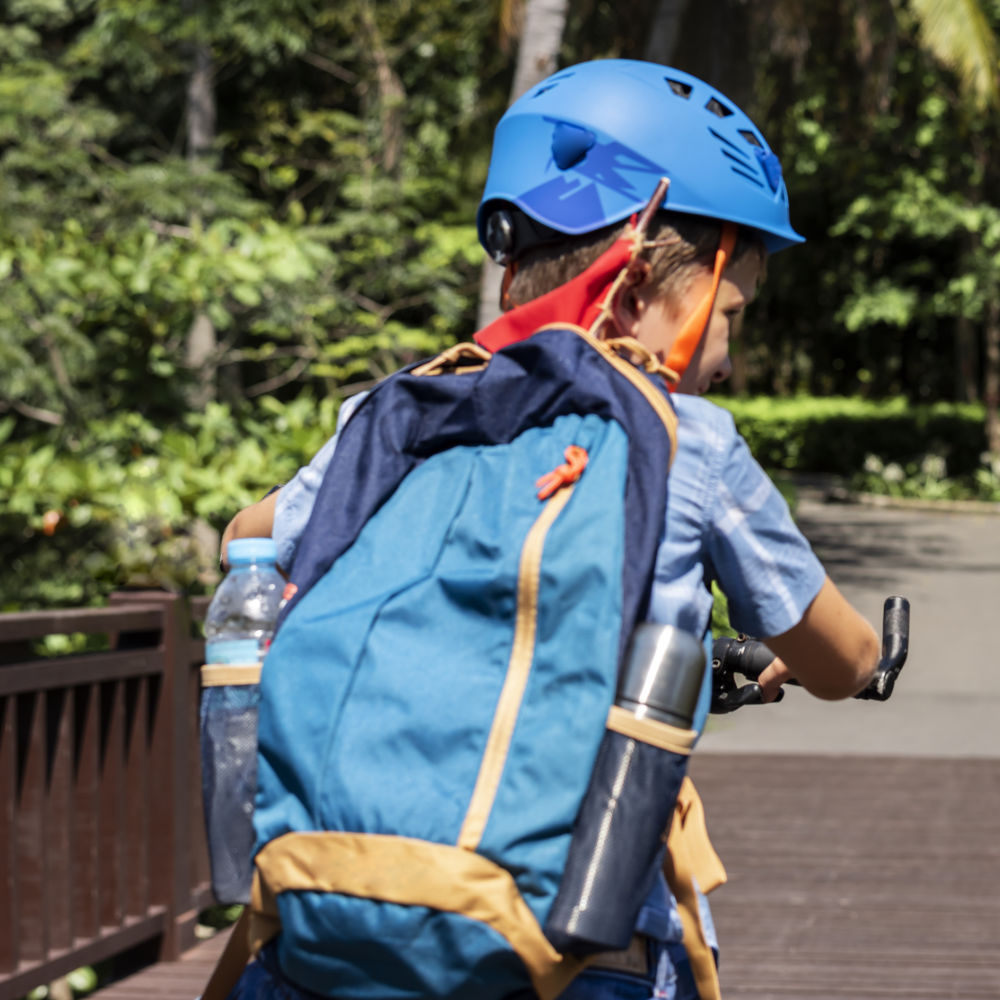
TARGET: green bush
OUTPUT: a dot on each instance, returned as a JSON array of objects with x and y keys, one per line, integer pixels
[
  {"x": 131, "y": 503},
  {"x": 837, "y": 434}
]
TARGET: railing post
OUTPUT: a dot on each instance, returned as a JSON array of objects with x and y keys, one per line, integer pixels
[
  {"x": 173, "y": 770},
  {"x": 9, "y": 952}
]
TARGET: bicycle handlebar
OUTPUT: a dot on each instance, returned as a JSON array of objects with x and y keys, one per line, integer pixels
[{"x": 749, "y": 657}]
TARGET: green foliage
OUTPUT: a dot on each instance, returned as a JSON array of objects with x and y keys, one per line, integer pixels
[
  {"x": 82, "y": 982},
  {"x": 134, "y": 504},
  {"x": 719, "y": 623},
  {"x": 218, "y": 916},
  {"x": 928, "y": 479},
  {"x": 323, "y": 237},
  {"x": 320, "y": 235},
  {"x": 886, "y": 156},
  {"x": 837, "y": 434},
  {"x": 327, "y": 237}
]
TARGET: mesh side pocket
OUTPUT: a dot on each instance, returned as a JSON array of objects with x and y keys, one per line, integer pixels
[{"x": 228, "y": 784}]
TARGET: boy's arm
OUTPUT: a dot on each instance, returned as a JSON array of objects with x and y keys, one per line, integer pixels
[
  {"x": 833, "y": 651},
  {"x": 255, "y": 521}
]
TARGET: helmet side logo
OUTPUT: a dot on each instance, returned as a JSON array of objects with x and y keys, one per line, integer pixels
[{"x": 570, "y": 144}]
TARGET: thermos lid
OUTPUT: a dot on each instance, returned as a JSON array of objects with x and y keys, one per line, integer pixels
[
  {"x": 662, "y": 674},
  {"x": 242, "y": 551}
]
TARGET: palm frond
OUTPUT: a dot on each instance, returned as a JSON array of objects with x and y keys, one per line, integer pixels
[{"x": 958, "y": 34}]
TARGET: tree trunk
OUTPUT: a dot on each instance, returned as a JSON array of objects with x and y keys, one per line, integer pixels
[
  {"x": 966, "y": 363},
  {"x": 541, "y": 40},
  {"x": 665, "y": 31},
  {"x": 200, "y": 105},
  {"x": 708, "y": 40},
  {"x": 391, "y": 95},
  {"x": 991, "y": 377},
  {"x": 537, "y": 58},
  {"x": 201, "y": 339}
]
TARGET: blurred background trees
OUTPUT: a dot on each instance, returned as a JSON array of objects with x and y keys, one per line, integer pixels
[{"x": 218, "y": 217}]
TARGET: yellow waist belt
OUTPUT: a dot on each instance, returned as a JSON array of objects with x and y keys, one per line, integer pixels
[{"x": 690, "y": 861}]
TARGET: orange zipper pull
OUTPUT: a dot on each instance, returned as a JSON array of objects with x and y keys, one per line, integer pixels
[{"x": 562, "y": 475}]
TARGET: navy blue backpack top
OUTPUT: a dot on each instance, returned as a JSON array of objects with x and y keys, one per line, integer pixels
[{"x": 480, "y": 552}]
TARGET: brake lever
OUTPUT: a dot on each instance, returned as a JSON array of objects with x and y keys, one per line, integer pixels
[{"x": 738, "y": 656}]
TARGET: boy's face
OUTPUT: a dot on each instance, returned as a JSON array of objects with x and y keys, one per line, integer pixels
[{"x": 660, "y": 319}]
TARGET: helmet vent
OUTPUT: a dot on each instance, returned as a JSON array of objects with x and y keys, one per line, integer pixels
[
  {"x": 749, "y": 177},
  {"x": 732, "y": 150},
  {"x": 743, "y": 164},
  {"x": 551, "y": 83},
  {"x": 718, "y": 108},
  {"x": 750, "y": 137},
  {"x": 680, "y": 88}
]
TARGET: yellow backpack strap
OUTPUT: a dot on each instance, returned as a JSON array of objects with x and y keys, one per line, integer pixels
[
  {"x": 264, "y": 920},
  {"x": 231, "y": 962},
  {"x": 690, "y": 861}
]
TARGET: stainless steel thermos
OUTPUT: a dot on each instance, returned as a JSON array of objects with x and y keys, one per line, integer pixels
[{"x": 619, "y": 835}]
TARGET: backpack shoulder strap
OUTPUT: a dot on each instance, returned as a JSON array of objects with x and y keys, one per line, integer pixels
[{"x": 232, "y": 961}]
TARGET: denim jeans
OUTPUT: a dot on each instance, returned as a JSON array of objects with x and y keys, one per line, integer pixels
[{"x": 669, "y": 978}]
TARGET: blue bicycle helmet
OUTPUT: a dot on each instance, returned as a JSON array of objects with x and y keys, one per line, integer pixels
[{"x": 586, "y": 147}]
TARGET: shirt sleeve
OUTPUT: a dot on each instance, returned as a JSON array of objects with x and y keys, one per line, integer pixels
[
  {"x": 763, "y": 563},
  {"x": 295, "y": 501}
]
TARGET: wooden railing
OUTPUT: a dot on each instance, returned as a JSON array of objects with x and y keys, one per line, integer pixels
[{"x": 101, "y": 834}]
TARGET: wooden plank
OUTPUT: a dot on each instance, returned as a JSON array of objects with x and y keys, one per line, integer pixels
[
  {"x": 86, "y": 868},
  {"x": 65, "y": 671},
  {"x": 31, "y": 928},
  {"x": 136, "y": 799},
  {"x": 201, "y": 872},
  {"x": 19, "y": 625},
  {"x": 111, "y": 827},
  {"x": 850, "y": 879},
  {"x": 855, "y": 877},
  {"x": 183, "y": 978},
  {"x": 130, "y": 935},
  {"x": 79, "y": 789},
  {"x": 59, "y": 817},
  {"x": 8, "y": 791},
  {"x": 160, "y": 804}
]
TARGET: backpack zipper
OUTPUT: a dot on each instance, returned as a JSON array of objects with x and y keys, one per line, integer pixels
[{"x": 518, "y": 670}]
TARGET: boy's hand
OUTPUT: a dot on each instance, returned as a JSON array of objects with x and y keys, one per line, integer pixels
[
  {"x": 772, "y": 677},
  {"x": 255, "y": 521}
]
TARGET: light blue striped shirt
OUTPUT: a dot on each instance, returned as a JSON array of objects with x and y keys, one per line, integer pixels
[{"x": 727, "y": 521}]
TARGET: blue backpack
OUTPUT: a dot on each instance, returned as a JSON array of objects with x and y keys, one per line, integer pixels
[{"x": 480, "y": 552}]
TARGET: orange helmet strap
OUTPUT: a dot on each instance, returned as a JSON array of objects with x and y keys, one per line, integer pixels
[{"x": 687, "y": 340}]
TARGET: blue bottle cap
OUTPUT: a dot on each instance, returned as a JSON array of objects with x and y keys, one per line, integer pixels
[{"x": 242, "y": 551}]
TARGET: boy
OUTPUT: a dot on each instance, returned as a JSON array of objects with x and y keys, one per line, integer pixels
[{"x": 572, "y": 161}]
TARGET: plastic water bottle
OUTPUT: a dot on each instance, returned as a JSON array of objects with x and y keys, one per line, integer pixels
[
  {"x": 238, "y": 630},
  {"x": 241, "y": 617}
]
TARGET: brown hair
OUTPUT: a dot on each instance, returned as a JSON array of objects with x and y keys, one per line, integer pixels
[{"x": 684, "y": 242}]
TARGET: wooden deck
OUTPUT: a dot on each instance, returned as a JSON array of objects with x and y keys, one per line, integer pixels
[
  {"x": 856, "y": 877},
  {"x": 863, "y": 878}
]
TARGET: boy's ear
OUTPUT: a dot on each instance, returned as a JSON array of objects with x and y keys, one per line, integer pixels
[{"x": 630, "y": 308}]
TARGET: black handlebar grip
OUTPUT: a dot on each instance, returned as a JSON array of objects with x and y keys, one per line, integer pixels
[
  {"x": 743, "y": 656},
  {"x": 895, "y": 632},
  {"x": 895, "y": 647}
]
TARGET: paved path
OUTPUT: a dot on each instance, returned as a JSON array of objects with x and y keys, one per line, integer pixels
[
  {"x": 947, "y": 700},
  {"x": 861, "y": 868}
]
